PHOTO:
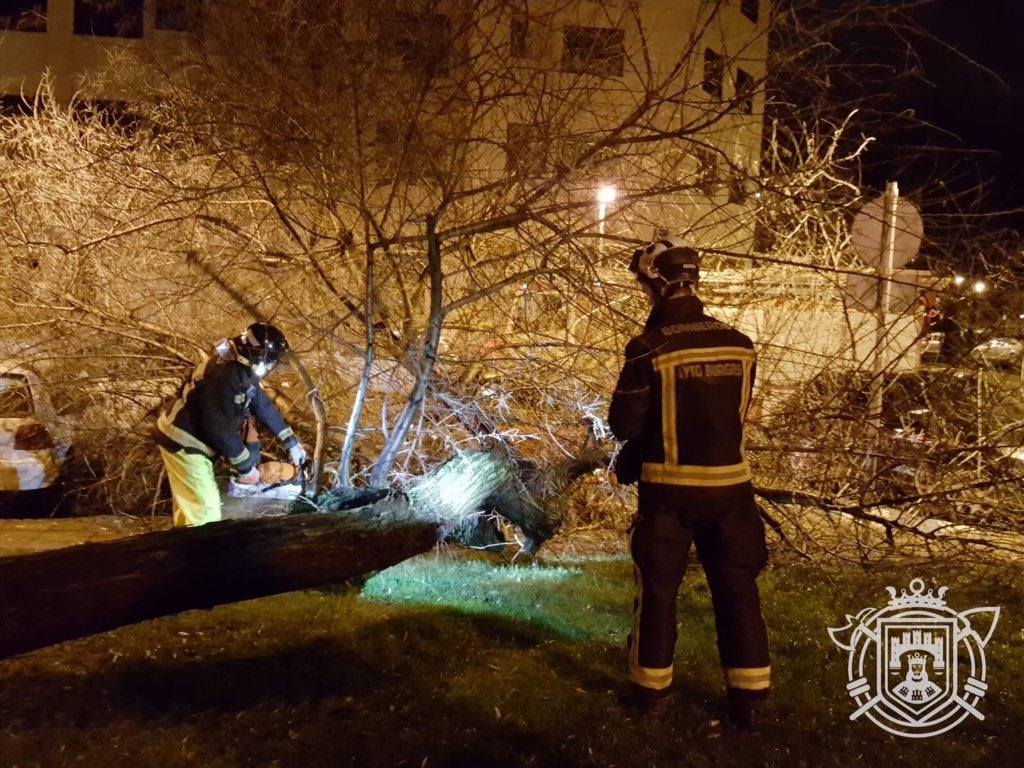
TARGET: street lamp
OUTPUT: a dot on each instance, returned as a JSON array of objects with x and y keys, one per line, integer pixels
[
  {"x": 958, "y": 279},
  {"x": 980, "y": 286},
  {"x": 605, "y": 197}
]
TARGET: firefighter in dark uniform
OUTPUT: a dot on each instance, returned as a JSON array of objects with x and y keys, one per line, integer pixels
[
  {"x": 211, "y": 418},
  {"x": 680, "y": 404}
]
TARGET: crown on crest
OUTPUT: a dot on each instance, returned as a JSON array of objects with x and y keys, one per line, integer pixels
[{"x": 917, "y": 597}]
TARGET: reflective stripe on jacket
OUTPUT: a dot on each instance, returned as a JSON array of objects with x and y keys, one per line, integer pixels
[
  {"x": 213, "y": 405},
  {"x": 683, "y": 393}
]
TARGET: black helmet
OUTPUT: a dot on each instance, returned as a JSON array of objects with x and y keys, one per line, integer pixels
[
  {"x": 261, "y": 343},
  {"x": 664, "y": 263}
]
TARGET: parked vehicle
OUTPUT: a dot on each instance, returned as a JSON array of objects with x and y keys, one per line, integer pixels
[
  {"x": 930, "y": 346},
  {"x": 33, "y": 447},
  {"x": 939, "y": 429},
  {"x": 999, "y": 352}
]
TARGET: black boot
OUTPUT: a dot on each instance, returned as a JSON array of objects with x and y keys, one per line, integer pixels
[
  {"x": 744, "y": 717},
  {"x": 745, "y": 709},
  {"x": 649, "y": 703}
]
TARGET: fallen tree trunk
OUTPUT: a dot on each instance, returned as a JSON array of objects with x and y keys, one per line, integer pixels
[{"x": 50, "y": 597}]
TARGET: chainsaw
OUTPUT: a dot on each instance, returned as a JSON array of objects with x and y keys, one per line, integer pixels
[{"x": 278, "y": 480}]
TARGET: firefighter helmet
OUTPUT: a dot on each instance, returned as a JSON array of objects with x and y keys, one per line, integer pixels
[
  {"x": 667, "y": 262},
  {"x": 261, "y": 346}
]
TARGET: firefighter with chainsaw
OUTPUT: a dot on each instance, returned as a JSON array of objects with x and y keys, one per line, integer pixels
[
  {"x": 680, "y": 404},
  {"x": 212, "y": 417}
]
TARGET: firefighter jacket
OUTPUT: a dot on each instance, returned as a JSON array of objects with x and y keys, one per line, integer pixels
[
  {"x": 682, "y": 396},
  {"x": 208, "y": 416}
]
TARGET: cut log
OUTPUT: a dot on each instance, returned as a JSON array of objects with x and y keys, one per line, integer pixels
[{"x": 50, "y": 597}]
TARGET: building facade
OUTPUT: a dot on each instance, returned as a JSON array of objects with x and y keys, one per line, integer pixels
[
  {"x": 72, "y": 43},
  {"x": 700, "y": 62}
]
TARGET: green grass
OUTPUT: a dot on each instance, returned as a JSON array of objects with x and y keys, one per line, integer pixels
[{"x": 459, "y": 659}]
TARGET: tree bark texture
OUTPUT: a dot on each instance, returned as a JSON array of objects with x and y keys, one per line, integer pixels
[{"x": 50, "y": 597}]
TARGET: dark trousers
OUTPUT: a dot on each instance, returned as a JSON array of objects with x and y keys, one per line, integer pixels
[{"x": 729, "y": 537}]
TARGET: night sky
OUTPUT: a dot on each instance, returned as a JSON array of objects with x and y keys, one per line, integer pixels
[{"x": 967, "y": 85}]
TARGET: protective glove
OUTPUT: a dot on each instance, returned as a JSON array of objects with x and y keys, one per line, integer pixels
[
  {"x": 250, "y": 477},
  {"x": 628, "y": 463},
  {"x": 297, "y": 454}
]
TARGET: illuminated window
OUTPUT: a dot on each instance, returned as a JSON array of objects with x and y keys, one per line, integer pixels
[
  {"x": 593, "y": 51},
  {"x": 108, "y": 18},
  {"x": 23, "y": 16},
  {"x": 714, "y": 69}
]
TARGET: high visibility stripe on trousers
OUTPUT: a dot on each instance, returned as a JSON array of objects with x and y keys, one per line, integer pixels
[
  {"x": 648, "y": 677},
  {"x": 750, "y": 679}
]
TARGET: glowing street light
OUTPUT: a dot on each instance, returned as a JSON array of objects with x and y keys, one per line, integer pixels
[
  {"x": 958, "y": 279},
  {"x": 605, "y": 197},
  {"x": 980, "y": 286}
]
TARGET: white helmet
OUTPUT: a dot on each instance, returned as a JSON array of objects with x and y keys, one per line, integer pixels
[{"x": 666, "y": 262}]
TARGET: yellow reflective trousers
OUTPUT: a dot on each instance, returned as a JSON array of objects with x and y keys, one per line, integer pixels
[{"x": 194, "y": 491}]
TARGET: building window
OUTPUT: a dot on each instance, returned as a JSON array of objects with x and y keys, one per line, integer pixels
[
  {"x": 749, "y": 9},
  {"x": 714, "y": 69},
  {"x": 519, "y": 39},
  {"x": 116, "y": 115},
  {"x": 15, "y": 106},
  {"x": 744, "y": 92},
  {"x": 421, "y": 41},
  {"x": 707, "y": 170},
  {"x": 737, "y": 190},
  {"x": 593, "y": 51},
  {"x": 401, "y": 152},
  {"x": 525, "y": 150},
  {"x": 177, "y": 15},
  {"x": 529, "y": 37},
  {"x": 764, "y": 238},
  {"x": 23, "y": 16},
  {"x": 108, "y": 18}
]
